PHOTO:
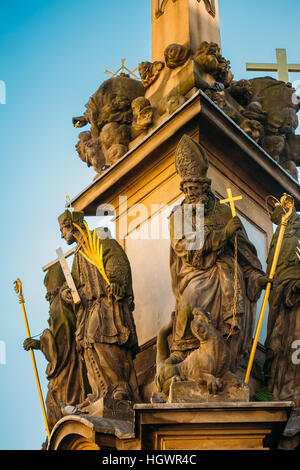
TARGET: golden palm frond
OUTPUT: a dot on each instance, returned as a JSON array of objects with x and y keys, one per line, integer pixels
[{"x": 92, "y": 250}]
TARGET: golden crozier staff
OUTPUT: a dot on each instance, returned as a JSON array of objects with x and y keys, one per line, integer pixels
[
  {"x": 18, "y": 289},
  {"x": 287, "y": 204}
]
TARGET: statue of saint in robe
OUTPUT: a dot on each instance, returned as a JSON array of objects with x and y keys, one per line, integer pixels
[
  {"x": 65, "y": 371},
  {"x": 203, "y": 277},
  {"x": 105, "y": 329},
  {"x": 281, "y": 370}
]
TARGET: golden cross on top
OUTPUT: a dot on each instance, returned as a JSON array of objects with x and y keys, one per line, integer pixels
[
  {"x": 231, "y": 201},
  {"x": 122, "y": 69},
  {"x": 282, "y": 67}
]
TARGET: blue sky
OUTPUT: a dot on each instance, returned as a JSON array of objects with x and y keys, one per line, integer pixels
[{"x": 52, "y": 58}]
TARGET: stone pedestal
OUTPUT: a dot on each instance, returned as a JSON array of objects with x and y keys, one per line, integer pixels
[
  {"x": 212, "y": 426},
  {"x": 178, "y": 426},
  {"x": 110, "y": 408}
]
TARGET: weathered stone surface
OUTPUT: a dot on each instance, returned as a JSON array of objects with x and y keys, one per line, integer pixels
[
  {"x": 176, "y": 55},
  {"x": 281, "y": 368},
  {"x": 149, "y": 72},
  {"x": 65, "y": 370},
  {"x": 204, "y": 346},
  {"x": 183, "y": 22},
  {"x": 142, "y": 116},
  {"x": 105, "y": 328},
  {"x": 191, "y": 392},
  {"x": 114, "y": 138},
  {"x": 264, "y": 108},
  {"x": 107, "y": 407},
  {"x": 109, "y": 113},
  {"x": 209, "y": 57}
]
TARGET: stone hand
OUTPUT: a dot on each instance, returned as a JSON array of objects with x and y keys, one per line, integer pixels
[
  {"x": 30, "y": 343},
  {"x": 116, "y": 290},
  {"x": 66, "y": 295},
  {"x": 233, "y": 226},
  {"x": 79, "y": 121},
  {"x": 262, "y": 281}
]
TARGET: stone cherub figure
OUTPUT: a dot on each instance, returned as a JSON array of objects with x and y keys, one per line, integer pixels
[
  {"x": 202, "y": 277},
  {"x": 208, "y": 56},
  {"x": 105, "y": 328},
  {"x": 150, "y": 71},
  {"x": 142, "y": 116},
  {"x": 110, "y": 115},
  {"x": 265, "y": 108},
  {"x": 65, "y": 371}
]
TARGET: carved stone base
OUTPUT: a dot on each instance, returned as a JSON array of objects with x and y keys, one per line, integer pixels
[
  {"x": 190, "y": 392},
  {"x": 109, "y": 408},
  {"x": 178, "y": 426}
]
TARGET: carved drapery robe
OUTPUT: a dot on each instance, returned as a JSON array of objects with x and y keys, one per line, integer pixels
[
  {"x": 284, "y": 317},
  {"x": 105, "y": 325},
  {"x": 65, "y": 370},
  {"x": 205, "y": 279}
]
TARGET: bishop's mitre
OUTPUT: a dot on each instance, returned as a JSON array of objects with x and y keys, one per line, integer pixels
[{"x": 191, "y": 162}]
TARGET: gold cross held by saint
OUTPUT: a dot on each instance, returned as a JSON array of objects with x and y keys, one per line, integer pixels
[
  {"x": 231, "y": 200},
  {"x": 282, "y": 66}
]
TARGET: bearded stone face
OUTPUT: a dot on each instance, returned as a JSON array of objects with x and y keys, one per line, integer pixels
[
  {"x": 67, "y": 231},
  {"x": 195, "y": 192}
]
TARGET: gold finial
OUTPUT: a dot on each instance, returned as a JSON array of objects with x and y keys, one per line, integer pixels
[
  {"x": 68, "y": 204},
  {"x": 123, "y": 68},
  {"x": 287, "y": 204},
  {"x": 18, "y": 289}
]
